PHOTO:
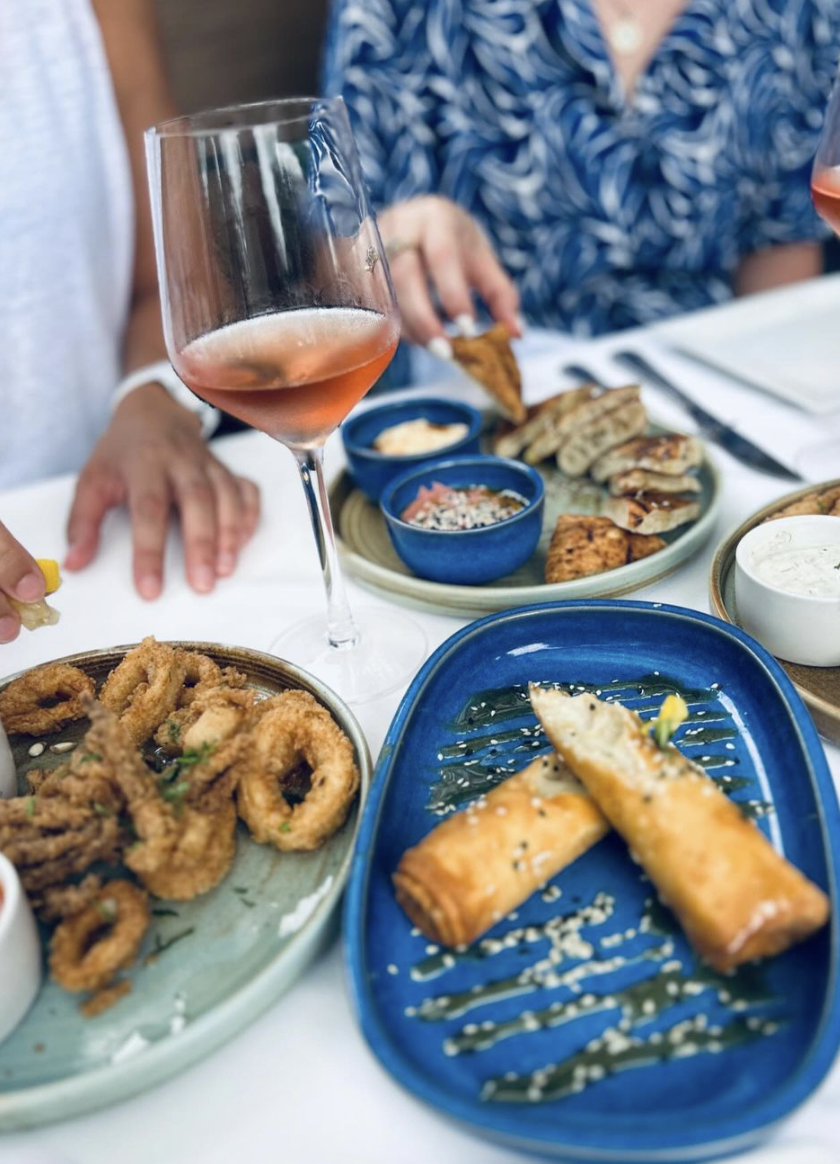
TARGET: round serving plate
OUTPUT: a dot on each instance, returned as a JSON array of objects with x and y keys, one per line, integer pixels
[
  {"x": 206, "y": 968},
  {"x": 368, "y": 555},
  {"x": 818, "y": 686}
]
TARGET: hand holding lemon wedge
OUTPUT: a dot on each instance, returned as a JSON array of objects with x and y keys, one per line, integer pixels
[{"x": 35, "y": 614}]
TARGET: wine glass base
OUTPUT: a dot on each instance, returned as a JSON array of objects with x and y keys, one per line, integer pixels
[{"x": 390, "y": 649}]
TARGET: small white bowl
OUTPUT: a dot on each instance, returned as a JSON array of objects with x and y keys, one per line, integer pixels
[
  {"x": 20, "y": 951},
  {"x": 799, "y": 627}
]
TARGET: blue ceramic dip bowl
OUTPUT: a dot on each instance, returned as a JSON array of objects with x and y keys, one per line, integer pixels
[
  {"x": 466, "y": 557},
  {"x": 372, "y": 470}
]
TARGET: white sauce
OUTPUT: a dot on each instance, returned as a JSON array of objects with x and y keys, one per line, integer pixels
[{"x": 810, "y": 570}]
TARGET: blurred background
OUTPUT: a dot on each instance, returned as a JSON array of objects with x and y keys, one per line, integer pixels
[{"x": 220, "y": 51}]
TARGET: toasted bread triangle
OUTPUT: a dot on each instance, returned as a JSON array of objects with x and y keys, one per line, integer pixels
[{"x": 490, "y": 361}]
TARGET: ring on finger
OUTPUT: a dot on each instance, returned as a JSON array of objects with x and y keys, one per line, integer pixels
[{"x": 396, "y": 246}]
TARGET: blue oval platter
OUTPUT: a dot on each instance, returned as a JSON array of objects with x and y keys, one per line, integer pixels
[{"x": 630, "y": 1049}]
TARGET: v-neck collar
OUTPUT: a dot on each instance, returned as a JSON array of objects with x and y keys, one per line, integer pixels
[{"x": 618, "y": 96}]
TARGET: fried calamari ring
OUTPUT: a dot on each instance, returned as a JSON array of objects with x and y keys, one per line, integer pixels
[
  {"x": 144, "y": 688},
  {"x": 88, "y": 949},
  {"x": 200, "y": 674},
  {"x": 293, "y": 728},
  {"x": 203, "y": 674},
  {"x": 182, "y": 855},
  {"x": 44, "y": 699}
]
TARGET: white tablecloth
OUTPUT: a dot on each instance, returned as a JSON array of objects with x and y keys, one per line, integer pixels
[{"x": 300, "y": 1085}]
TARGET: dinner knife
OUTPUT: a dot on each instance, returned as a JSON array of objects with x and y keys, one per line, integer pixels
[{"x": 737, "y": 446}]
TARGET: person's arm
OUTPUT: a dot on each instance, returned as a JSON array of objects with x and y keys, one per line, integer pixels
[
  {"x": 152, "y": 456},
  {"x": 20, "y": 578},
  {"x": 776, "y": 266}
]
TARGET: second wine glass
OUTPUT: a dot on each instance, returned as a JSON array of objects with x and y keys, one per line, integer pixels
[{"x": 278, "y": 307}]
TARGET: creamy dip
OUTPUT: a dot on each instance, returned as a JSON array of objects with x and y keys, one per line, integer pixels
[
  {"x": 810, "y": 570},
  {"x": 418, "y": 436}
]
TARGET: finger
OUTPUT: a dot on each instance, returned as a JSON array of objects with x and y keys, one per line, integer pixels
[
  {"x": 149, "y": 502},
  {"x": 494, "y": 285},
  {"x": 20, "y": 575},
  {"x": 445, "y": 261},
  {"x": 251, "y": 505},
  {"x": 229, "y": 518},
  {"x": 97, "y": 491},
  {"x": 9, "y": 621},
  {"x": 196, "y": 499},
  {"x": 420, "y": 321}
]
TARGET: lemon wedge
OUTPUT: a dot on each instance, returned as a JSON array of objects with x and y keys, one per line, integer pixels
[
  {"x": 52, "y": 574},
  {"x": 36, "y": 614}
]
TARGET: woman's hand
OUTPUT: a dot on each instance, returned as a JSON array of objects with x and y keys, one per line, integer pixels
[
  {"x": 433, "y": 244},
  {"x": 152, "y": 457},
  {"x": 20, "y": 578}
]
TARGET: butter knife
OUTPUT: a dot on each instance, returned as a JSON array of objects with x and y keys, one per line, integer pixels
[{"x": 713, "y": 429}]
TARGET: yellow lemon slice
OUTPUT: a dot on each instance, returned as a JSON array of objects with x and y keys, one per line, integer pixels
[{"x": 52, "y": 574}]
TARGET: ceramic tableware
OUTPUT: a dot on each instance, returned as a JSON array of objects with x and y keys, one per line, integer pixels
[
  {"x": 20, "y": 952},
  {"x": 621, "y": 1046},
  {"x": 369, "y": 555},
  {"x": 473, "y": 556},
  {"x": 818, "y": 686},
  {"x": 790, "y": 614},
  {"x": 206, "y": 968},
  {"x": 372, "y": 470}
]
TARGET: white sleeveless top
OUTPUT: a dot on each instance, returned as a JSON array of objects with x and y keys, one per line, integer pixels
[{"x": 66, "y": 237}]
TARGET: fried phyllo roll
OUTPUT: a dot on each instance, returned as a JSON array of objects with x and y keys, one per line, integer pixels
[
  {"x": 735, "y": 896},
  {"x": 479, "y": 864}
]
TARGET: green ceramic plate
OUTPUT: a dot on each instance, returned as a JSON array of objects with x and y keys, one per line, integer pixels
[
  {"x": 368, "y": 554},
  {"x": 206, "y": 968},
  {"x": 818, "y": 686}
]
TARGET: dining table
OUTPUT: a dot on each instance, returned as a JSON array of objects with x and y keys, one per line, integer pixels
[{"x": 299, "y": 1084}]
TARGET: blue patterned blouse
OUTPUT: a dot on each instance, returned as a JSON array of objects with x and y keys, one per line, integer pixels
[{"x": 607, "y": 213}]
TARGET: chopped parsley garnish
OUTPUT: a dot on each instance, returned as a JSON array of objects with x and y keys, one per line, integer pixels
[
  {"x": 173, "y": 730},
  {"x": 196, "y": 755},
  {"x": 102, "y": 809},
  {"x": 175, "y": 793},
  {"x": 161, "y": 947},
  {"x": 285, "y": 827},
  {"x": 86, "y": 757},
  {"x": 30, "y": 807}
]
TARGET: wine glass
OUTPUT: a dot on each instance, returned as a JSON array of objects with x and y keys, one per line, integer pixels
[{"x": 278, "y": 307}]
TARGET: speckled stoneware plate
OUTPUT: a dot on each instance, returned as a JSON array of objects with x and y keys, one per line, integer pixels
[
  {"x": 582, "y": 1027},
  {"x": 369, "y": 556},
  {"x": 206, "y": 968},
  {"x": 818, "y": 686}
]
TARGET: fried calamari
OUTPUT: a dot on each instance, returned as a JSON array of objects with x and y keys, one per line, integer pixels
[
  {"x": 44, "y": 699},
  {"x": 88, "y": 949},
  {"x": 144, "y": 688},
  {"x": 294, "y": 729}
]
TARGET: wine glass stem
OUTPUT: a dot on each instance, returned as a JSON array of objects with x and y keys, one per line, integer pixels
[{"x": 342, "y": 631}]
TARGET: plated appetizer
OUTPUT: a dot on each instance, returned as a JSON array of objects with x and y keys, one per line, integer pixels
[
  {"x": 736, "y": 897},
  {"x": 601, "y": 434},
  {"x": 145, "y": 805}
]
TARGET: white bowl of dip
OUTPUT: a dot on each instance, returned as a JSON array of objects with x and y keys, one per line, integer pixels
[
  {"x": 787, "y": 588},
  {"x": 20, "y": 951}
]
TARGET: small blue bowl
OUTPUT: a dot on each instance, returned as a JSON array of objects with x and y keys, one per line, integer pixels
[
  {"x": 372, "y": 471},
  {"x": 472, "y": 556}
]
